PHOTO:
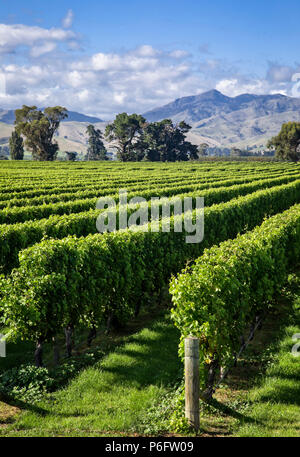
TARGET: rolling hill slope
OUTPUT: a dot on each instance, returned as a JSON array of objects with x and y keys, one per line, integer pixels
[{"x": 245, "y": 120}]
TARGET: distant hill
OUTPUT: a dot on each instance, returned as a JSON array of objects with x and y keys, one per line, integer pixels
[
  {"x": 246, "y": 120},
  {"x": 8, "y": 117},
  {"x": 71, "y": 135},
  {"x": 226, "y": 121},
  {"x": 73, "y": 116}
]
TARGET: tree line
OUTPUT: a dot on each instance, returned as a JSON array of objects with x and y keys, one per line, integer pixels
[
  {"x": 132, "y": 136},
  {"x": 135, "y": 139}
]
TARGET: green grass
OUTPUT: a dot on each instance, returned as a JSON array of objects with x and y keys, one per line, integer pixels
[
  {"x": 261, "y": 395},
  {"x": 131, "y": 390},
  {"x": 111, "y": 397},
  {"x": 275, "y": 405}
]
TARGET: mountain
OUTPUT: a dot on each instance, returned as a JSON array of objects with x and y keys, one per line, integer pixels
[
  {"x": 216, "y": 119},
  {"x": 245, "y": 120},
  {"x": 73, "y": 116},
  {"x": 8, "y": 117},
  {"x": 193, "y": 108}
]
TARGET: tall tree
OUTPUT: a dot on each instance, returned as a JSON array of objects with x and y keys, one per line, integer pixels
[
  {"x": 287, "y": 142},
  {"x": 124, "y": 131},
  {"x": 39, "y": 128},
  {"x": 96, "y": 149},
  {"x": 16, "y": 146},
  {"x": 165, "y": 141}
]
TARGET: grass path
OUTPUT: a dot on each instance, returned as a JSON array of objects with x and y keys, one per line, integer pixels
[
  {"x": 111, "y": 396},
  {"x": 275, "y": 405},
  {"x": 261, "y": 396}
]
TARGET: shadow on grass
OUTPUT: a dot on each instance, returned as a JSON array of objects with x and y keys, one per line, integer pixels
[
  {"x": 156, "y": 362},
  {"x": 282, "y": 394},
  {"x": 225, "y": 409},
  {"x": 23, "y": 405},
  {"x": 42, "y": 412},
  {"x": 146, "y": 358}
]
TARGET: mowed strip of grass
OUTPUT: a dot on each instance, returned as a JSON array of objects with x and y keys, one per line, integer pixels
[
  {"x": 275, "y": 404},
  {"x": 112, "y": 396}
]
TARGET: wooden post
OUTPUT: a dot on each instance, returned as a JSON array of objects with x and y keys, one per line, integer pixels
[{"x": 192, "y": 393}]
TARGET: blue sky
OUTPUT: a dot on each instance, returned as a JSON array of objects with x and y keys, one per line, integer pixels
[{"x": 102, "y": 57}]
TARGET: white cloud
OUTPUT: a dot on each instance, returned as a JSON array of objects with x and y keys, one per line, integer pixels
[
  {"x": 106, "y": 83},
  {"x": 279, "y": 73},
  {"x": 37, "y": 51},
  {"x": 67, "y": 21},
  {"x": 14, "y": 36},
  {"x": 242, "y": 85},
  {"x": 120, "y": 97},
  {"x": 2, "y": 84},
  {"x": 115, "y": 62},
  {"x": 104, "y": 62},
  {"x": 103, "y": 84},
  {"x": 230, "y": 87},
  {"x": 146, "y": 51}
]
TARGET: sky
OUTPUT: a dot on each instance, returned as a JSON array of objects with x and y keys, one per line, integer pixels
[{"x": 102, "y": 57}]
